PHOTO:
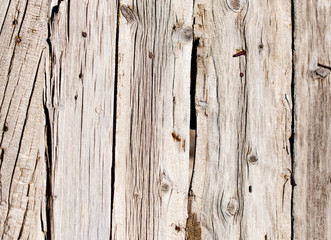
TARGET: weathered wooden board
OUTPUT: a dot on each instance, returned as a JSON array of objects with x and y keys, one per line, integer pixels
[
  {"x": 23, "y": 30},
  {"x": 241, "y": 187},
  {"x": 153, "y": 116},
  {"x": 80, "y": 103},
  {"x": 312, "y": 150}
]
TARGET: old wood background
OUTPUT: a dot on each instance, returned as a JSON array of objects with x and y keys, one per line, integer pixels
[{"x": 97, "y": 99}]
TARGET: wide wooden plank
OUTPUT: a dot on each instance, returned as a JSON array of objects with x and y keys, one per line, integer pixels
[
  {"x": 80, "y": 107},
  {"x": 312, "y": 150},
  {"x": 23, "y": 30},
  {"x": 241, "y": 181},
  {"x": 153, "y": 116}
]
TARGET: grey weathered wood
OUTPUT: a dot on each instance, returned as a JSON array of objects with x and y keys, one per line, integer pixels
[
  {"x": 23, "y": 30},
  {"x": 153, "y": 114},
  {"x": 57, "y": 106},
  {"x": 312, "y": 150},
  {"x": 241, "y": 187},
  {"x": 80, "y": 102}
]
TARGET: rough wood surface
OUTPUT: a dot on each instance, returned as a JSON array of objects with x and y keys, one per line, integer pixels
[
  {"x": 254, "y": 166},
  {"x": 153, "y": 116},
  {"x": 80, "y": 104},
  {"x": 23, "y": 30},
  {"x": 312, "y": 150},
  {"x": 241, "y": 187}
]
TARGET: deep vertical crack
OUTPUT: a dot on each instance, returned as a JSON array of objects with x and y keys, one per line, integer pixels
[
  {"x": 193, "y": 116},
  {"x": 293, "y": 117},
  {"x": 49, "y": 190},
  {"x": 114, "y": 120},
  {"x": 48, "y": 132}
]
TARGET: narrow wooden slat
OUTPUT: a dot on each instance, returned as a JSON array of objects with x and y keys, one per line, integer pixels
[
  {"x": 80, "y": 103},
  {"x": 23, "y": 29},
  {"x": 153, "y": 116},
  {"x": 312, "y": 150},
  {"x": 241, "y": 181}
]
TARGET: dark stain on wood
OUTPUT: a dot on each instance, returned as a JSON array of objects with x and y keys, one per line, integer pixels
[
  {"x": 193, "y": 227},
  {"x": 177, "y": 228},
  {"x": 176, "y": 137}
]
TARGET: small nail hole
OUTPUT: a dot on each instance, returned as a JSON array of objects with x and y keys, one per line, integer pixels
[
  {"x": 84, "y": 34},
  {"x": 150, "y": 55},
  {"x": 250, "y": 189}
]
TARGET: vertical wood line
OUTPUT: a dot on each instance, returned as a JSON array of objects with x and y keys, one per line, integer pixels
[
  {"x": 292, "y": 124},
  {"x": 114, "y": 120}
]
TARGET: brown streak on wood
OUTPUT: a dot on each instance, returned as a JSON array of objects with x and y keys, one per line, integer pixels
[
  {"x": 176, "y": 137},
  {"x": 193, "y": 227}
]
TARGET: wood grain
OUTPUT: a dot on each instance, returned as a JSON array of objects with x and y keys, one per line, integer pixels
[
  {"x": 22, "y": 168},
  {"x": 153, "y": 116},
  {"x": 312, "y": 168},
  {"x": 80, "y": 105},
  {"x": 241, "y": 187}
]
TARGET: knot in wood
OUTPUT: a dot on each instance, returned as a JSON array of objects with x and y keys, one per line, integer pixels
[
  {"x": 232, "y": 207},
  {"x": 253, "y": 159},
  {"x": 128, "y": 13},
  {"x": 164, "y": 187},
  {"x": 235, "y": 5},
  {"x": 164, "y": 184},
  {"x": 186, "y": 34}
]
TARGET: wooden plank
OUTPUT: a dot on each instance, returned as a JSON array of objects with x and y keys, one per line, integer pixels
[
  {"x": 153, "y": 116},
  {"x": 241, "y": 187},
  {"x": 23, "y": 29},
  {"x": 80, "y": 103},
  {"x": 312, "y": 167}
]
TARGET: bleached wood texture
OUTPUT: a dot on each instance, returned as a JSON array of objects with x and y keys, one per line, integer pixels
[
  {"x": 22, "y": 187},
  {"x": 241, "y": 182},
  {"x": 312, "y": 150},
  {"x": 80, "y": 103},
  {"x": 153, "y": 116}
]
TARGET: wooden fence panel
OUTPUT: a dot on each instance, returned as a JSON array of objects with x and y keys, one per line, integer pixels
[
  {"x": 312, "y": 150},
  {"x": 94, "y": 129},
  {"x": 80, "y": 105},
  {"x": 23, "y": 30},
  {"x": 153, "y": 116},
  {"x": 241, "y": 187}
]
